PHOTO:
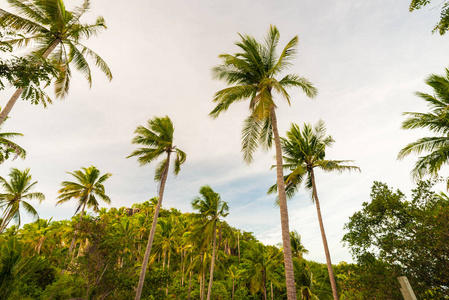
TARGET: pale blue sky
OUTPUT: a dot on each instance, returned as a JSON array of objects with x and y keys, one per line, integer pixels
[{"x": 366, "y": 58}]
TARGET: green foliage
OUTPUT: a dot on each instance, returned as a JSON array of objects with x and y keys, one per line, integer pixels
[
  {"x": 9, "y": 148},
  {"x": 437, "y": 121},
  {"x": 88, "y": 186},
  {"x": 410, "y": 236},
  {"x": 443, "y": 25},
  {"x": 48, "y": 24},
  {"x": 157, "y": 139},
  {"x": 66, "y": 286},
  {"x": 303, "y": 150},
  {"x": 16, "y": 193},
  {"x": 252, "y": 73}
]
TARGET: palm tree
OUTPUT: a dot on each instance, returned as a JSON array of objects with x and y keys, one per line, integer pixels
[
  {"x": 211, "y": 208},
  {"x": 304, "y": 150},
  {"x": 298, "y": 248},
  {"x": 437, "y": 121},
  {"x": 17, "y": 191},
  {"x": 252, "y": 76},
  {"x": 260, "y": 266},
  {"x": 7, "y": 147},
  {"x": 57, "y": 34},
  {"x": 156, "y": 139},
  {"x": 88, "y": 186}
]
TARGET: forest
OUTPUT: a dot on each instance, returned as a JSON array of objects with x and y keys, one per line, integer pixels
[{"x": 149, "y": 250}]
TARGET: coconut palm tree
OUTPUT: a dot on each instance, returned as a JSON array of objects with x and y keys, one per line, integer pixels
[
  {"x": 56, "y": 34},
  {"x": 88, "y": 186},
  {"x": 437, "y": 121},
  {"x": 252, "y": 75},
  {"x": 15, "y": 195},
  {"x": 157, "y": 140},
  {"x": 211, "y": 208},
  {"x": 304, "y": 150},
  {"x": 298, "y": 248}
]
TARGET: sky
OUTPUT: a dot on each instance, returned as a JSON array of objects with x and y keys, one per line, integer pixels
[{"x": 366, "y": 58}]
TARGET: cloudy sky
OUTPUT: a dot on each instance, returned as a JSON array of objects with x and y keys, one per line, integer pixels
[{"x": 367, "y": 58}]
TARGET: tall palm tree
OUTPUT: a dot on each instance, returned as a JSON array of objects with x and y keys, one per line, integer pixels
[
  {"x": 437, "y": 121},
  {"x": 251, "y": 74},
  {"x": 56, "y": 34},
  {"x": 211, "y": 208},
  {"x": 88, "y": 186},
  {"x": 15, "y": 194},
  {"x": 304, "y": 150},
  {"x": 156, "y": 139}
]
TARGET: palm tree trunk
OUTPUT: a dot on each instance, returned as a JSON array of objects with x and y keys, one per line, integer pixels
[
  {"x": 203, "y": 279},
  {"x": 288, "y": 261},
  {"x": 8, "y": 107},
  {"x": 153, "y": 230},
  {"x": 272, "y": 290},
  {"x": 211, "y": 278},
  {"x": 6, "y": 219},
  {"x": 323, "y": 235}
]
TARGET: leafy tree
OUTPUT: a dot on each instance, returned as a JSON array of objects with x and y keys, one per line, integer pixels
[
  {"x": 304, "y": 150},
  {"x": 24, "y": 72},
  {"x": 252, "y": 75},
  {"x": 211, "y": 208},
  {"x": 437, "y": 121},
  {"x": 57, "y": 33},
  {"x": 156, "y": 139},
  {"x": 443, "y": 25},
  {"x": 408, "y": 235},
  {"x": 15, "y": 194},
  {"x": 88, "y": 186}
]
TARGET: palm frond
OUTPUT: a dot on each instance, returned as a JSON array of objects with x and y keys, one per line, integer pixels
[
  {"x": 228, "y": 96},
  {"x": 179, "y": 160},
  {"x": 251, "y": 132}
]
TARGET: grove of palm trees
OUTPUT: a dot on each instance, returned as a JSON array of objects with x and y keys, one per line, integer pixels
[{"x": 241, "y": 212}]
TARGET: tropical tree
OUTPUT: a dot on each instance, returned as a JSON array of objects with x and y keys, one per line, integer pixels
[
  {"x": 156, "y": 139},
  {"x": 437, "y": 121},
  {"x": 211, "y": 208},
  {"x": 252, "y": 75},
  {"x": 298, "y": 248},
  {"x": 260, "y": 265},
  {"x": 57, "y": 34},
  {"x": 304, "y": 150},
  {"x": 15, "y": 195},
  {"x": 88, "y": 186}
]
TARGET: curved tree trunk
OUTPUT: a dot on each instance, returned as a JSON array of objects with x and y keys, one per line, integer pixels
[
  {"x": 288, "y": 261},
  {"x": 153, "y": 230},
  {"x": 211, "y": 278},
  {"x": 8, "y": 107},
  {"x": 323, "y": 235}
]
